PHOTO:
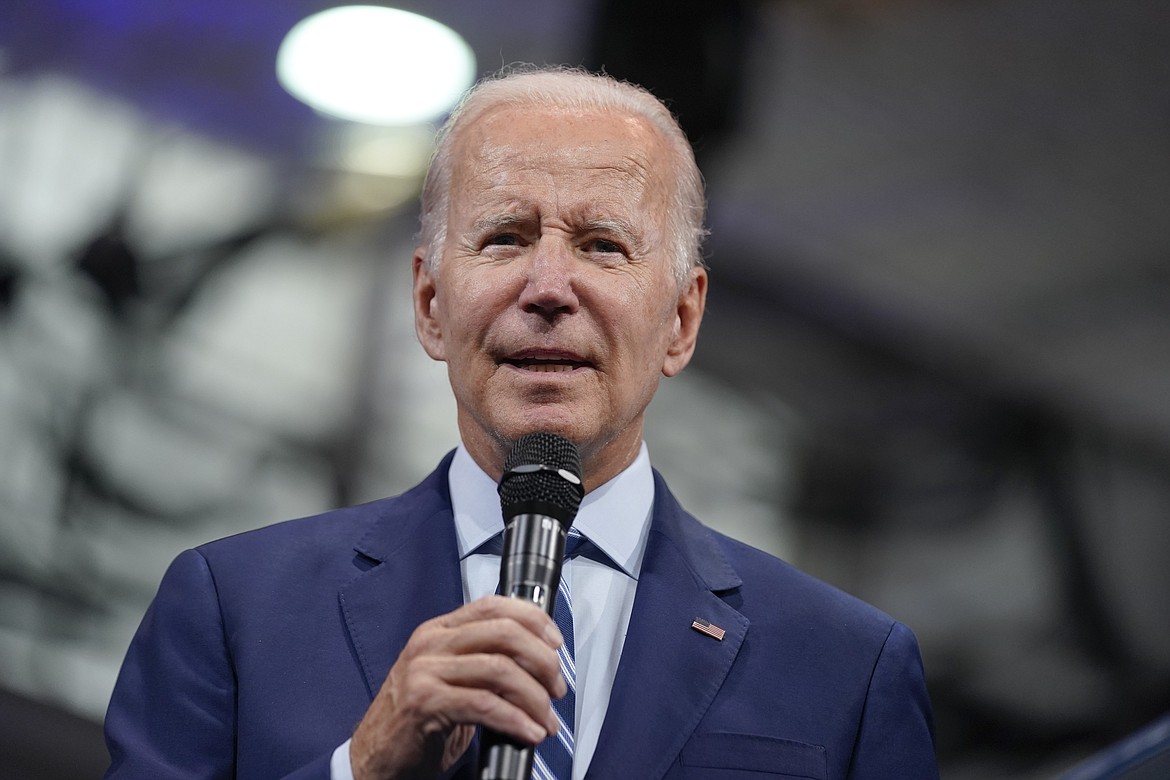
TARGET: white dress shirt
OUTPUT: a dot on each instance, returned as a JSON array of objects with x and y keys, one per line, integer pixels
[{"x": 615, "y": 517}]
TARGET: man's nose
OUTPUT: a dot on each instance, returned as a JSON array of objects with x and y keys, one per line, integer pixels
[{"x": 551, "y": 276}]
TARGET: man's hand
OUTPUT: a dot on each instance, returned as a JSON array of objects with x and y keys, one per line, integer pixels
[{"x": 492, "y": 662}]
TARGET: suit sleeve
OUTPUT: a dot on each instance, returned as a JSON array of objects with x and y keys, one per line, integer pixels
[
  {"x": 896, "y": 737},
  {"x": 172, "y": 713},
  {"x": 173, "y": 710}
]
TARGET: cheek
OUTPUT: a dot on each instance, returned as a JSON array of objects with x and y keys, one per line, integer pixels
[
  {"x": 483, "y": 287},
  {"x": 476, "y": 314},
  {"x": 647, "y": 335},
  {"x": 660, "y": 317}
]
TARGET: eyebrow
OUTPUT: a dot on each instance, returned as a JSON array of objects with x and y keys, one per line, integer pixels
[
  {"x": 490, "y": 222},
  {"x": 609, "y": 224}
]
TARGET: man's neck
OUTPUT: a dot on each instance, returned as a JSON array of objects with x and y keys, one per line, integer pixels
[{"x": 599, "y": 463}]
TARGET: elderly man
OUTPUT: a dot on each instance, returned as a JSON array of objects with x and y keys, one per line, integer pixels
[{"x": 558, "y": 276}]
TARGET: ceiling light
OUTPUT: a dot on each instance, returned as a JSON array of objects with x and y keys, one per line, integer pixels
[{"x": 375, "y": 65}]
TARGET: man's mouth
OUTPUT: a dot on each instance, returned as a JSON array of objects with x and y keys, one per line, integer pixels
[{"x": 546, "y": 365}]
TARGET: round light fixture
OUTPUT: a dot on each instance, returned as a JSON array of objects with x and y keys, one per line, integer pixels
[{"x": 376, "y": 65}]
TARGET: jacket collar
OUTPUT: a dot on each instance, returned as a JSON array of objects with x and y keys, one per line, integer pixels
[{"x": 411, "y": 541}]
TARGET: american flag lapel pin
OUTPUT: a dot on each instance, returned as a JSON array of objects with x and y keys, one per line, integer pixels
[{"x": 708, "y": 628}]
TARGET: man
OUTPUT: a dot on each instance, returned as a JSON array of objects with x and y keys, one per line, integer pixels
[{"x": 558, "y": 276}]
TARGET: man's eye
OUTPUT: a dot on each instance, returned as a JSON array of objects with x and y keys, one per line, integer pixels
[
  {"x": 504, "y": 239},
  {"x": 606, "y": 247}
]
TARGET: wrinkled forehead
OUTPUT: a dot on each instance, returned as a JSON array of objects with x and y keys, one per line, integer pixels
[{"x": 507, "y": 140}]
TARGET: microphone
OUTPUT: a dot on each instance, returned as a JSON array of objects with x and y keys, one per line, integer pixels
[{"x": 540, "y": 493}]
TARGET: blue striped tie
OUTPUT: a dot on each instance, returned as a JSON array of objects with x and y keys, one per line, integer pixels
[{"x": 554, "y": 756}]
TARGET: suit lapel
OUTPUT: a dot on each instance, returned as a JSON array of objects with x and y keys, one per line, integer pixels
[
  {"x": 669, "y": 673},
  {"x": 414, "y": 575}
]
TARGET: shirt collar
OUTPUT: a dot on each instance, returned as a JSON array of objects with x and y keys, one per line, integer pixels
[{"x": 614, "y": 516}]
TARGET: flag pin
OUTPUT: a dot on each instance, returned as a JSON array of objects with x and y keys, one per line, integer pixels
[{"x": 708, "y": 628}]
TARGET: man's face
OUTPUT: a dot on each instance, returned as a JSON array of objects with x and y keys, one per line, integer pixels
[{"x": 554, "y": 303}]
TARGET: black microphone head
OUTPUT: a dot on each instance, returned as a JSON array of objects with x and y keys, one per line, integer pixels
[{"x": 542, "y": 475}]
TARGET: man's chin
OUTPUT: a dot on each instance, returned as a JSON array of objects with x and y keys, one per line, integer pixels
[
  {"x": 573, "y": 424},
  {"x": 544, "y": 424}
]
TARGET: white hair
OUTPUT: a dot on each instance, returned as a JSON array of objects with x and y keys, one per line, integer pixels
[{"x": 570, "y": 89}]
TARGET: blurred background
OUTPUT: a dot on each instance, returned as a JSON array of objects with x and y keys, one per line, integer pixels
[{"x": 935, "y": 369}]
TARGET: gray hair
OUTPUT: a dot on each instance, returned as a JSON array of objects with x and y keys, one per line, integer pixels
[{"x": 570, "y": 89}]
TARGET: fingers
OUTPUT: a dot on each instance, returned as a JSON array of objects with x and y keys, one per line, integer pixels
[
  {"x": 490, "y": 690},
  {"x": 506, "y": 637},
  {"x": 505, "y": 647},
  {"x": 491, "y": 663},
  {"x": 532, "y": 617}
]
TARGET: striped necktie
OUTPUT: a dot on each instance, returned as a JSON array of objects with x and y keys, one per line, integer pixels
[{"x": 554, "y": 756}]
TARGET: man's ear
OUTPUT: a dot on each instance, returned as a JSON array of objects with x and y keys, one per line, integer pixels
[
  {"x": 426, "y": 309},
  {"x": 688, "y": 316}
]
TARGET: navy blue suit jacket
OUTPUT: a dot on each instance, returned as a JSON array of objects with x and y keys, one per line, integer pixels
[{"x": 262, "y": 651}]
